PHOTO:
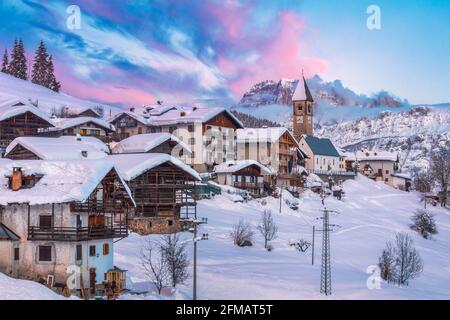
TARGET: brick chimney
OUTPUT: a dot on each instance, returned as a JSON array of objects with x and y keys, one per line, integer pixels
[{"x": 16, "y": 179}]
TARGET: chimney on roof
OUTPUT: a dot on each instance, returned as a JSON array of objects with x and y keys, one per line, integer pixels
[
  {"x": 194, "y": 108},
  {"x": 159, "y": 102},
  {"x": 182, "y": 113},
  {"x": 84, "y": 153},
  {"x": 16, "y": 179},
  {"x": 132, "y": 109}
]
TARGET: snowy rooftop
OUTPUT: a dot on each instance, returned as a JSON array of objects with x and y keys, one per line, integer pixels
[
  {"x": 131, "y": 166},
  {"x": 236, "y": 165},
  {"x": 12, "y": 107},
  {"x": 268, "y": 134},
  {"x": 61, "y": 182},
  {"x": 62, "y": 148},
  {"x": 145, "y": 142},
  {"x": 65, "y": 123},
  {"x": 167, "y": 115},
  {"x": 376, "y": 155}
]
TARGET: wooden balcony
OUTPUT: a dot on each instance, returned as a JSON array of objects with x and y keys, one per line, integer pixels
[
  {"x": 332, "y": 173},
  {"x": 248, "y": 185},
  {"x": 77, "y": 234},
  {"x": 94, "y": 206}
]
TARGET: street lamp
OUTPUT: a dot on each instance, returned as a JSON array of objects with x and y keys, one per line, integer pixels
[{"x": 196, "y": 239}]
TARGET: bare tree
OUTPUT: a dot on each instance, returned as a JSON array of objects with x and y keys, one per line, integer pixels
[
  {"x": 422, "y": 181},
  {"x": 242, "y": 234},
  {"x": 423, "y": 223},
  {"x": 176, "y": 257},
  {"x": 100, "y": 110},
  {"x": 154, "y": 264},
  {"x": 400, "y": 263},
  {"x": 267, "y": 227},
  {"x": 440, "y": 170}
]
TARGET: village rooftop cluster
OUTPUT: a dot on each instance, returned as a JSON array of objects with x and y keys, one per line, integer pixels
[{"x": 72, "y": 186}]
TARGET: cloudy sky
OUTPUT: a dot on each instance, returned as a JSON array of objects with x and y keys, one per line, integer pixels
[{"x": 135, "y": 52}]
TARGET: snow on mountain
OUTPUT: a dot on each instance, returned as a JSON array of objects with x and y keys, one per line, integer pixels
[
  {"x": 46, "y": 99},
  {"x": 414, "y": 133},
  {"x": 382, "y": 121},
  {"x": 371, "y": 213}
]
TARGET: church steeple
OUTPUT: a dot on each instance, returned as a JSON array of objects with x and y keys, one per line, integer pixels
[{"x": 302, "y": 103}]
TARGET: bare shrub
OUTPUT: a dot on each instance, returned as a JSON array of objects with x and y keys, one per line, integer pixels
[
  {"x": 242, "y": 234},
  {"x": 302, "y": 245}
]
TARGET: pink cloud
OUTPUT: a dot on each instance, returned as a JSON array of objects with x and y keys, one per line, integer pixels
[{"x": 280, "y": 56}]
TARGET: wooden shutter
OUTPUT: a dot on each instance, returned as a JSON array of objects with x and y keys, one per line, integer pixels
[{"x": 45, "y": 253}]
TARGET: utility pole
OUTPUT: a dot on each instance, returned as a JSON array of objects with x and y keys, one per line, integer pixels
[
  {"x": 281, "y": 195},
  {"x": 313, "y": 236},
  {"x": 325, "y": 275},
  {"x": 196, "y": 238}
]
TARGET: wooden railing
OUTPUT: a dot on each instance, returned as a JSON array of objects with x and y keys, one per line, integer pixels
[
  {"x": 77, "y": 234},
  {"x": 332, "y": 173},
  {"x": 94, "y": 206},
  {"x": 248, "y": 185}
]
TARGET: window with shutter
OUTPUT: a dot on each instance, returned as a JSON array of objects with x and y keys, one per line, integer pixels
[
  {"x": 45, "y": 222},
  {"x": 92, "y": 251},
  {"x": 16, "y": 254},
  {"x": 105, "y": 249},
  {"x": 79, "y": 253}
]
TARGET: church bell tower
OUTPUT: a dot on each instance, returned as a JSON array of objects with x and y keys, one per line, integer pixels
[{"x": 303, "y": 111}]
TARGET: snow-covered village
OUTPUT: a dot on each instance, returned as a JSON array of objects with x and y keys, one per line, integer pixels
[{"x": 159, "y": 162}]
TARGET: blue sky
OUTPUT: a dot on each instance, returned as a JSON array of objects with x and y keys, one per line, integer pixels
[{"x": 135, "y": 52}]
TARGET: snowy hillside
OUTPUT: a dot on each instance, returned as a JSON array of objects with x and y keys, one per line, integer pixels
[
  {"x": 370, "y": 214},
  {"x": 414, "y": 133},
  {"x": 46, "y": 99}
]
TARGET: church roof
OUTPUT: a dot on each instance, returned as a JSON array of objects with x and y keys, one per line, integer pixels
[
  {"x": 323, "y": 147},
  {"x": 302, "y": 91}
]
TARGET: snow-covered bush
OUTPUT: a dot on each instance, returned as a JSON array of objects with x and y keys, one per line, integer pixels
[
  {"x": 242, "y": 234},
  {"x": 267, "y": 227},
  {"x": 400, "y": 262},
  {"x": 423, "y": 223}
]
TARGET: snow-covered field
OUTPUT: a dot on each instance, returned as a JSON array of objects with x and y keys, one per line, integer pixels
[{"x": 370, "y": 214}]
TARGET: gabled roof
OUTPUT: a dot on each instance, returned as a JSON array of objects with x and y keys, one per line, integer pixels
[
  {"x": 14, "y": 107},
  {"x": 61, "y": 182},
  {"x": 88, "y": 109},
  {"x": 237, "y": 165},
  {"x": 65, "y": 123},
  {"x": 7, "y": 234},
  {"x": 267, "y": 134},
  {"x": 141, "y": 143},
  {"x": 172, "y": 115},
  {"x": 321, "y": 146},
  {"x": 131, "y": 166},
  {"x": 302, "y": 91},
  {"x": 61, "y": 148},
  {"x": 374, "y": 155}
]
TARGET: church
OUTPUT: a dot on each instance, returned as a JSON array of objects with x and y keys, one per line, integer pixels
[{"x": 323, "y": 157}]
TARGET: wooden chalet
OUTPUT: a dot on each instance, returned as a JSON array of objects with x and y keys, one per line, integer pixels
[
  {"x": 276, "y": 148},
  {"x": 65, "y": 214},
  {"x": 243, "y": 174},
  {"x": 19, "y": 119},
  {"x": 208, "y": 132},
  {"x": 163, "y": 188},
  {"x": 58, "y": 148},
  {"x": 83, "y": 126}
]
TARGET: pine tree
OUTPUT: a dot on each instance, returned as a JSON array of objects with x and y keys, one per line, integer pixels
[
  {"x": 5, "y": 62},
  {"x": 18, "y": 64},
  {"x": 51, "y": 81},
  {"x": 40, "y": 66}
]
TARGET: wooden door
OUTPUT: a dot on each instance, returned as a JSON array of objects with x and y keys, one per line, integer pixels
[{"x": 92, "y": 276}]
